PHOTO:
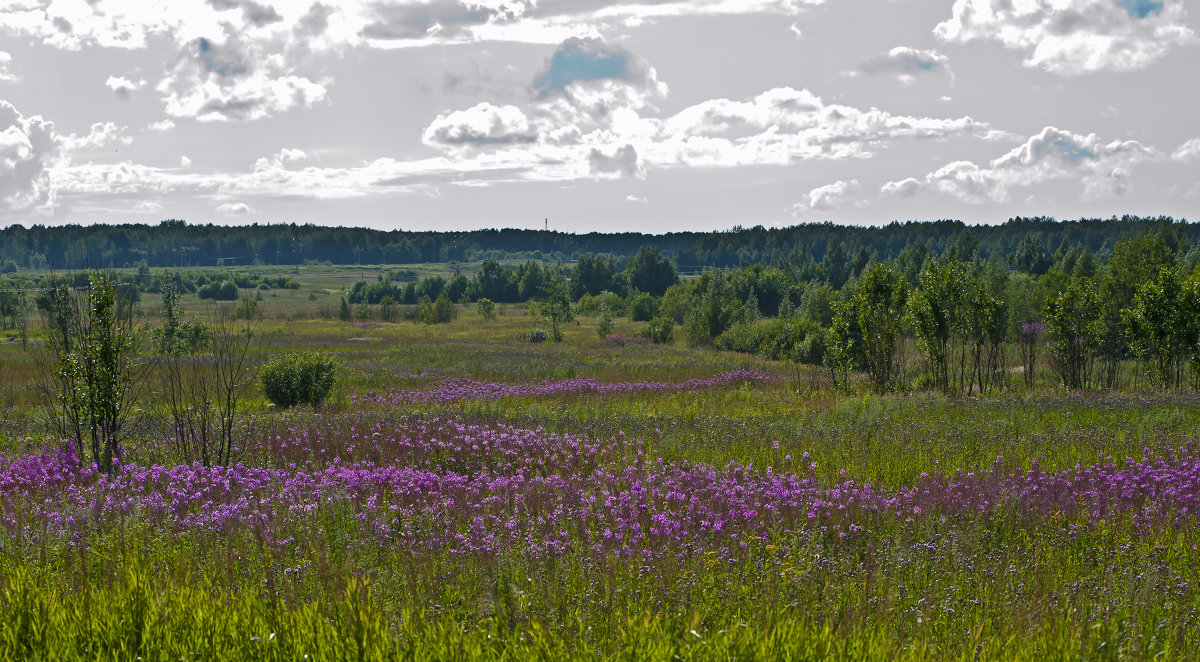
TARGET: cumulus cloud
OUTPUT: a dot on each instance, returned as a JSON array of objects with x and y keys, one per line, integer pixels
[
  {"x": 830, "y": 196},
  {"x": 6, "y": 73},
  {"x": 161, "y": 125},
  {"x": 905, "y": 64},
  {"x": 100, "y": 136},
  {"x": 590, "y": 116},
  {"x": 446, "y": 19},
  {"x": 1103, "y": 168},
  {"x": 235, "y": 209},
  {"x": 783, "y": 125},
  {"x": 28, "y": 146},
  {"x": 587, "y": 78},
  {"x": 623, "y": 162},
  {"x": 148, "y": 207},
  {"x": 123, "y": 87},
  {"x": 1188, "y": 152},
  {"x": 217, "y": 82},
  {"x": 291, "y": 155},
  {"x": 1074, "y": 36},
  {"x": 481, "y": 124}
]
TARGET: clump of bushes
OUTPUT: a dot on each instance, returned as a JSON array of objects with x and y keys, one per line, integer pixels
[
  {"x": 438, "y": 311},
  {"x": 660, "y": 330},
  {"x": 298, "y": 378},
  {"x": 220, "y": 291},
  {"x": 537, "y": 335},
  {"x": 801, "y": 340}
]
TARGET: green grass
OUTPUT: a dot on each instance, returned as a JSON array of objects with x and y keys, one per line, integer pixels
[{"x": 999, "y": 587}]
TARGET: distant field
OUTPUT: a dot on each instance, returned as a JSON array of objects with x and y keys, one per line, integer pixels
[{"x": 464, "y": 493}]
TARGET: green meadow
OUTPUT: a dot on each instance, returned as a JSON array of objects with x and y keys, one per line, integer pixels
[{"x": 438, "y": 505}]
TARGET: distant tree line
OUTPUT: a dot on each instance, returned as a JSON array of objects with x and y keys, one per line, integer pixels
[{"x": 1025, "y": 242}]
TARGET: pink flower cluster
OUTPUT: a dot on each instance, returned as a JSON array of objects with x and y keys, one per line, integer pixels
[
  {"x": 439, "y": 487},
  {"x": 452, "y": 390}
]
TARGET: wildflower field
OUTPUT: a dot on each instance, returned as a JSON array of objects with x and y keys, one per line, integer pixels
[{"x": 468, "y": 495}]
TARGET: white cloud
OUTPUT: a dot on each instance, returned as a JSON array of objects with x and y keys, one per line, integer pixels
[
  {"x": 622, "y": 162},
  {"x": 101, "y": 135},
  {"x": 1188, "y": 151},
  {"x": 161, "y": 125},
  {"x": 6, "y": 74},
  {"x": 830, "y": 196},
  {"x": 148, "y": 207},
  {"x": 28, "y": 146},
  {"x": 906, "y": 64},
  {"x": 1074, "y": 36},
  {"x": 291, "y": 155},
  {"x": 905, "y": 188},
  {"x": 481, "y": 124},
  {"x": 636, "y": 200},
  {"x": 217, "y": 82},
  {"x": 593, "y": 115},
  {"x": 123, "y": 87},
  {"x": 1102, "y": 168},
  {"x": 185, "y": 162},
  {"x": 235, "y": 209}
]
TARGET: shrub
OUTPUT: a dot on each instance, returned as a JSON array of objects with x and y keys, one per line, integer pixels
[
  {"x": 659, "y": 331},
  {"x": 643, "y": 308},
  {"x": 537, "y": 335},
  {"x": 298, "y": 378},
  {"x": 389, "y": 310},
  {"x": 222, "y": 291},
  {"x": 604, "y": 324},
  {"x": 440, "y": 311},
  {"x": 486, "y": 308}
]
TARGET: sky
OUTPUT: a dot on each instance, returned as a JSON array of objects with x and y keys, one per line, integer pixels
[{"x": 596, "y": 115}]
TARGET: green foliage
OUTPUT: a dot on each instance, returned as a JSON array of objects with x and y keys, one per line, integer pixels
[
  {"x": 1135, "y": 261},
  {"x": 660, "y": 330},
  {"x": 1162, "y": 324},
  {"x": 248, "y": 309},
  {"x": 221, "y": 291},
  {"x": 344, "y": 310},
  {"x": 537, "y": 336},
  {"x": 1074, "y": 324},
  {"x": 555, "y": 307},
  {"x": 713, "y": 307},
  {"x": 439, "y": 311},
  {"x": 650, "y": 271},
  {"x": 96, "y": 371},
  {"x": 389, "y": 310},
  {"x": 934, "y": 309},
  {"x": 298, "y": 378},
  {"x": 878, "y": 303},
  {"x": 799, "y": 340},
  {"x": 604, "y": 322},
  {"x": 486, "y": 308},
  {"x": 643, "y": 307}
]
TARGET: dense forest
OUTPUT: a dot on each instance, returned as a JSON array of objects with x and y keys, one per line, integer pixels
[{"x": 174, "y": 243}]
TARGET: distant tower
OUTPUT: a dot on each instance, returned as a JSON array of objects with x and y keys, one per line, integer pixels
[{"x": 547, "y": 225}]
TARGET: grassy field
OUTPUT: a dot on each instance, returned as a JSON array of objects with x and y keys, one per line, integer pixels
[{"x": 465, "y": 494}]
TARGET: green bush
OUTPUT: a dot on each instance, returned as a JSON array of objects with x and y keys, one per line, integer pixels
[
  {"x": 222, "y": 291},
  {"x": 801, "y": 340},
  {"x": 298, "y": 378},
  {"x": 643, "y": 308},
  {"x": 439, "y": 311},
  {"x": 659, "y": 331},
  {"x": 537, "y": 335}
]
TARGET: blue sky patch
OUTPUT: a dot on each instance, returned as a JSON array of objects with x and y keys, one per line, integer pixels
[
  {"x": 1141, "y": 8},
  {"x": 579, "y": 59}
]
